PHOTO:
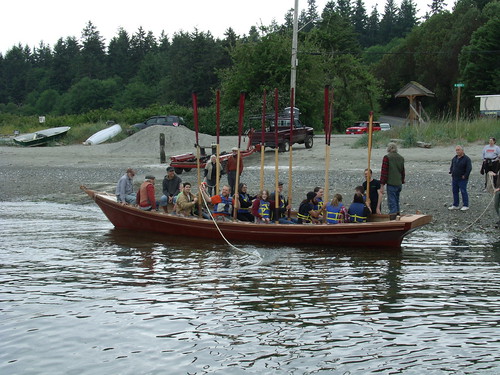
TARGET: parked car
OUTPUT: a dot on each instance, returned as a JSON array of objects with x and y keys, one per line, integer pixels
[
  {"x": 169, "y": 120},
  {"x": 361, "y": 127},
  {"x": 384, "y": 126}
]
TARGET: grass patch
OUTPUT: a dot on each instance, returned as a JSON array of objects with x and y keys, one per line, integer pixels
[{"x": 437, "y": 133}]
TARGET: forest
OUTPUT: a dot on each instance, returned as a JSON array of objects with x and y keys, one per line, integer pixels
[{"x": 364, "y": 56}]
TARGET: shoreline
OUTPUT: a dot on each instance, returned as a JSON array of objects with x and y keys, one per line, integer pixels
[{"x": 55, "y": 174}]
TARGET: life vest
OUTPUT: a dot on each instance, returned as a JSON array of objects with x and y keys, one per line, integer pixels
[
  {"x": 224, "y": 207},
  {"x": 334, "y": 213},
  {"x": 245, "y": 198},
  {"x": 144, "y": 199},
  {"x": 318, "y": 204},
  {"x": 357, "y": 213},
  {"x": 302, "y": 215},
  {"x": 264, "y": 209}
]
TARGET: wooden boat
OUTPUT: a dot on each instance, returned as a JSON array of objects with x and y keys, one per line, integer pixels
[
  {"x": 380, "y": 232},
  {"x": 42, "y": 137},
  {"x": 103, "y": 135}
]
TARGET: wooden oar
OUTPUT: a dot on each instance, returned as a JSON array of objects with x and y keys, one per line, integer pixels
[
  {"x": 328, "y": 104},
  {"x": 369, "y": 177},
  {"x": 262, "y": 141},
  {"x": 290, "y": 160},
  {"x": 196, "y": 131},
  {"x": 238, "y": 159},
  {"x": 276, "y": 156},
  {"x": 217, "y": 152}
]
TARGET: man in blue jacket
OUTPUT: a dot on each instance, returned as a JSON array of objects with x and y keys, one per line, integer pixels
[{"x": 460, "y": 169}]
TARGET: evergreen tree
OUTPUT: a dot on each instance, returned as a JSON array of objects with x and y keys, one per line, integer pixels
[
  {"x": 344, "y": 9},
  {"x": 372, "y": 28},
  {"x": 119, "y": 56},
  {"x": 93, "y": 62},
  {"x": 437, "y": 6},
  {"x": 407, "y": 17},
  {"x": 65, "y": 64},
  {"x": 388, "y": 23},
  {"x": 16, "y": 67},
  {"x": 360, "y": 22}
]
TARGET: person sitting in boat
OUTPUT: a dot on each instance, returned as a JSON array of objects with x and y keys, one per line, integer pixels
[
  {"x": 358, "y": 212},
  {"x": 223, "y": 203},
  {"x": 244, "y": 211},
  {"x": 306, "y": 213},
  {"x": 210, "y": 173},
  {"x": 125, "y": 188},
  {"x": 171, "y": 188},
  {"x": 318, "y": 198},
  {"x": 335, "y": 211},
  {"x": 279, "y": 215},
  {"x": 186, "y": 201},
  {"x": 146, "y": 195},
  {"x": 261, "y": 208}
]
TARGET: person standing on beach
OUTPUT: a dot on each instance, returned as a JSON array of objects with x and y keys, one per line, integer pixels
[
  {"x": 491, "y": 160},
  {"x": 231, "y": 167},
  {"x": 171, "y": 189},
  {"x": 125, "y": 188},
  {"x": 460, "y": 169},
  {"x": 392, "y": 174}
]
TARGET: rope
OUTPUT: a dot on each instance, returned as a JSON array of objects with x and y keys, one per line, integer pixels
[
  {"x": 222, "y": 235},
  {"x": 490, "y": 180}
]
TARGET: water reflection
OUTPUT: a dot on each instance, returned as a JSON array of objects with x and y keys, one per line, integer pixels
[{"x": 92, "y": 299}]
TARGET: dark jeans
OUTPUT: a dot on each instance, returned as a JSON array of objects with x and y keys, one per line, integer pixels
[
  {"x": 459, "y": 185},
  {"x": 393, "y": 192}
]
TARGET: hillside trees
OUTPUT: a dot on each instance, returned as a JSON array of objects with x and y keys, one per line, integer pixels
[
  {"x": 429, "y": 54},
  {"x": 479, "y": 67}
]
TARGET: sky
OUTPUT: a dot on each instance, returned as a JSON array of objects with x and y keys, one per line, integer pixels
[{"x": 29, "y": 22}]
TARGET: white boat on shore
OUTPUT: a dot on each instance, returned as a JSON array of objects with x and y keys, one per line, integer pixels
[{"x": 103, "y": 135}]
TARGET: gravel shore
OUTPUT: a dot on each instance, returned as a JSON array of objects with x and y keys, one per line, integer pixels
[{"x": 56, "y": 173}]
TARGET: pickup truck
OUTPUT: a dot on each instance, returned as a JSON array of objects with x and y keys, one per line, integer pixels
[{"x": 301, "y": 134}]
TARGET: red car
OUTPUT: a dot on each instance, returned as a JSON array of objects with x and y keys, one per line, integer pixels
[{"x": 361, "y": 127}]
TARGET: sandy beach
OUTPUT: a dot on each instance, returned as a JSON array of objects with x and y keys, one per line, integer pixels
[{"x": 56, "y": 173}]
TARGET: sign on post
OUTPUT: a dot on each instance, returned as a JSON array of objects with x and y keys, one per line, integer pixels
[{"x": 459, "y": 85}]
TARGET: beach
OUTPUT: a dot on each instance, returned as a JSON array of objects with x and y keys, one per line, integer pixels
[{"x": 56, "y": 173}]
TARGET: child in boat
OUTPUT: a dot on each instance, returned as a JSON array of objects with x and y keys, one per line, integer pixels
[
  {"x": 261, "y": 208},
  {"x": 358, "y": 212},
  {"x": 335, "y": 211}
]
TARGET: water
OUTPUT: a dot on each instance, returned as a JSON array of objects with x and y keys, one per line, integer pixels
[{"x": 79, "y": 297}]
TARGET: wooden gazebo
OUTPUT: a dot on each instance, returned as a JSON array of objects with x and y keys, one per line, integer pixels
[{"x": 411, "y": 91}]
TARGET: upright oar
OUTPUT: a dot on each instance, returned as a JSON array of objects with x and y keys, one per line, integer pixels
[
  {"x": 217, "y": 152},
  {"x": 196, "y": 132},
  {"x": 276, "y": 157},
  {"x": 262, "y": 141},
  {"x": 290, "y": 160},
  {"x": 328, "y": 133},
  {"x": 238, "y": 159},
  {"x": 369, "y": 176}
]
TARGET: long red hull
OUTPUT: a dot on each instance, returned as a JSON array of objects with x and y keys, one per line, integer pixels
[{"x": 383, "y": 233}]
